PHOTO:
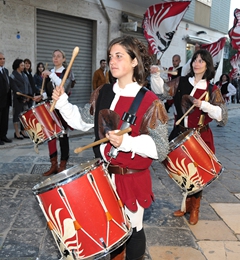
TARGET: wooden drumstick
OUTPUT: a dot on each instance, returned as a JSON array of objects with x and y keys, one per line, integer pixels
[
  {"x": 179, "y": 120},
  {"x": 103, "y": 140},
  {"x": 43, "y": 82},
  {"x": 21, "y": 94},
  {"x": 74, "y": 55},
  {"x": 169, "y": 72}
]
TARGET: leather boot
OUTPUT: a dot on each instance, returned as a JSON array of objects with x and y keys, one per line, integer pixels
[
  {"x": 62, "y": 166},
  {"x": 120, "y": 256},
  {"x": 54, "y": 167},
  {"x": 193, "y": 220},
  {"x": 180, "y": 213}
]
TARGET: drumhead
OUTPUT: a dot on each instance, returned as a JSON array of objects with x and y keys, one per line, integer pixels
[
  {"x": 65, "y": 176},
  {"x": 180, "y": 139}
]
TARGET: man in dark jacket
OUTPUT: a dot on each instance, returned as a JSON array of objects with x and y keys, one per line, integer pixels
[{"x": 6, "y": 101}]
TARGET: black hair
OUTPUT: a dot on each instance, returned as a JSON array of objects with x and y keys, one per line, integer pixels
[
  {"x": 16, "y": 64},
  {"x": 206, "y": 56}
]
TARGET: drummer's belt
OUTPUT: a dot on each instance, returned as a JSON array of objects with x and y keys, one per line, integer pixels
[
  {"x": 119, "y": 170},
  {"x": 200, "y": 129}
]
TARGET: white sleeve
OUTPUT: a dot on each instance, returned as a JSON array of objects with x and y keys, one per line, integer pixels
[
  {"x": 214, "y": 112},
  {"x": 156, "y": 83},
  {"x": 142, "y": 145},
  {"x": 231, "y": 90},
  {"x": 71, "y": 114},
  {"x": 55, "y": 79}
]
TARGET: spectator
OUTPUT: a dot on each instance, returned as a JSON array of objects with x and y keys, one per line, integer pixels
[
  {"x": 38, "y": 76},
  {"x": 6, "y": 101},
  {"x": 227, "y": 88},
  {"x": 101, "y": 75},
  {"x": 20, "y": 103},
  {"x": 28, "y": 72}
]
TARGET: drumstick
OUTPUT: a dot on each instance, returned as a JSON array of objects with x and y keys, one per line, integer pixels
[
  {"x": 21, "y": 94},
  {"x": 169, "y": 72},
  {"x": 179, "y": 120},
  {"x": 103, "y": 140},
  {"x": 74, "y": 55},
  {"x": 43, "y": 82}
]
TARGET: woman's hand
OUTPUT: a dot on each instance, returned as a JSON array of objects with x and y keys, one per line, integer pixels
[
  {"x": 37, "y": 98},
  {"x": 115, "y": 140},
  {"x": 46, "y": 73},
  {"x": 154, "y": 69},
  {"x": 197, "y": 102},
  {"x": 57, "y": 92}
]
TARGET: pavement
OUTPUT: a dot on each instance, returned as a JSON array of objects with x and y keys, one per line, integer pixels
[{"x": 24, "y": 234}]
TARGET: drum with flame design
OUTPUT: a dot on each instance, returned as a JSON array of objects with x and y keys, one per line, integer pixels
[
  {"x": 40, "y": 123},
  {"x": 83, "y": 211},
  {"x": 191, "y": 163}
]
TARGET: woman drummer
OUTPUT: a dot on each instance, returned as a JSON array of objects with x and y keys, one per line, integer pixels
[
  {"x": 129, "y": 63},
  {"x": 54, "y": 78},
  {"x": 187, "y": 91}
]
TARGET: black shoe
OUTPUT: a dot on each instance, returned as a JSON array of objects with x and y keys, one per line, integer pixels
[
  {"x": 19, "y": 138},
  {"x": 6, "y": 140},
  {"x": 1, "y": 142},
  {"x": 23, "y": 135}
]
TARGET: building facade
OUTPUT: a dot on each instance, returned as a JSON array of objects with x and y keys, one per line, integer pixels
[{"x": 34, "y": 29}]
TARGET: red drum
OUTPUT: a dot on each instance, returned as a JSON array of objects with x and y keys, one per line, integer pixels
[
  {"x": 191, "y": 163},
  {"x": 83, "y": 211},
  {"x": 40, "y": 123}
]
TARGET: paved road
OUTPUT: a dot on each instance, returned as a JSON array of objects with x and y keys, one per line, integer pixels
[{"x": 24, "y": 234}]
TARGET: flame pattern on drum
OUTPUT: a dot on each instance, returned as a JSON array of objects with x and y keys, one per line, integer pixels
[
  {"x": 35, "y": 130},
  {"x": 185, "y": 174},
  {"x": 65, "y": 234}
]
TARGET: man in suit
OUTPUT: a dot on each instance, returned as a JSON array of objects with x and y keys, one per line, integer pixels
[{"x": 6, "y": 101}]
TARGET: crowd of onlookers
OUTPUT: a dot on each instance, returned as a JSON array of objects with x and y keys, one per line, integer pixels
[{"x": 16, "y": 90}]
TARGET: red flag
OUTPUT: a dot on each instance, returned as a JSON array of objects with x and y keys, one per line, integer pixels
[
  {"x": 216, "y": 50},
  {"x": 235, "y": 62},
  {"x": 234, "y": 32},
  {"x": 160, "y": 24}
]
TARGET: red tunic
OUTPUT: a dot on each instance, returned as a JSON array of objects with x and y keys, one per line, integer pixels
[{"x": 137, "y": 186}]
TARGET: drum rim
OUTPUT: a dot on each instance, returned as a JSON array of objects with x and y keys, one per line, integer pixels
[
  {"x": 187, "y": 134},
  {"x": 32, "y": 107},
  {"x": 49, "y": 184}
]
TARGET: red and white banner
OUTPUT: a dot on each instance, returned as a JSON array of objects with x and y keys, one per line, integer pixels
[
  {"x": 216, "y": 50},
  {"x": 234, "y": 32},
  {"x": 235, "y": 62},
  {"x": 160, "y": 24}
]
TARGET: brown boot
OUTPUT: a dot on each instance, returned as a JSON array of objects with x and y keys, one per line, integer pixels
[
  {"x": 193, "y": 220},
  {"x": 54, "y": 167},
  {"x": 180, "y": 213},
  {"x": 62, "y": 166},
  {"x": 120, "y": 256}
]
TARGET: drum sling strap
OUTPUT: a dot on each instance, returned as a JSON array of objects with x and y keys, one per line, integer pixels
[
  {"x": 207, "y": 98},
  {"x": 129, "y": 117}
]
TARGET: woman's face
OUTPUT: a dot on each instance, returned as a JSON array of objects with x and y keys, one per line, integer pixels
[
  {"x": 58, "y": 59},
  {"x": 27, "y": 65},
  {"x": 21, "y": 67},
  {"x": 224, "y": 78},
  {"x": 40, "y": 68},
  {"x": 199, "y": 66},
  {"x": 120, "y": 63}
]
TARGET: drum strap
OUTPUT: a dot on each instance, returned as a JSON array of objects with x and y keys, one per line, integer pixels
[
  {"x": 129, "y": 117},
  {"x": 207, "y": 98}
]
